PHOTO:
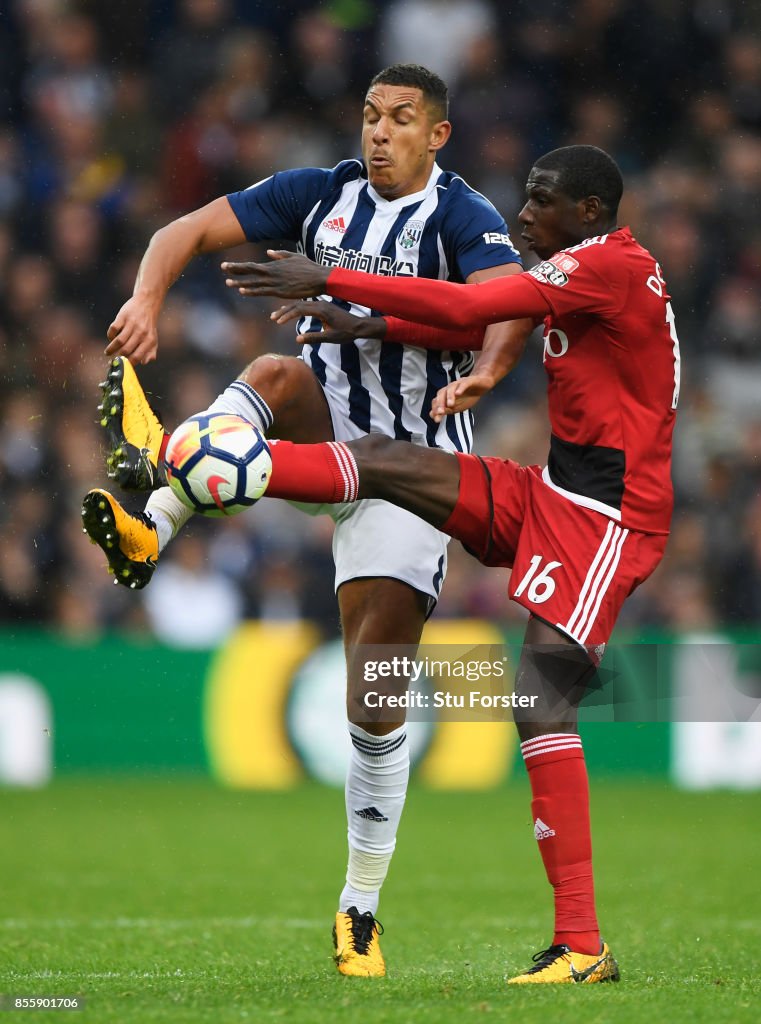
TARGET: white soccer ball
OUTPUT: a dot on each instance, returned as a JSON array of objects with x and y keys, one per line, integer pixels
[{"x": 218, "y": 464}]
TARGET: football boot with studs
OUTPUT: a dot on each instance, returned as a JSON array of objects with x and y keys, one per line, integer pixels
[
  {"x": 136, "y": 438},
  {"x": 130, "y": 543}
]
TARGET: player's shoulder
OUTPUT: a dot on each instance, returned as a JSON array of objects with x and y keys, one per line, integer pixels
[
  {"x": 463, "y": 213},
  {"x": 454, "y": 190},
  {"x": 605, "y": 257},
  {"x": 323, "y": 182},
  {"x": 616, "y": 244},
  {"x": 319, "y": 178},
  {"x": 346, "y": 171},
  {"x": 334, "y": 178},
  {"x": 611, "y": 252},
  {"x": 630, "y": 248}
]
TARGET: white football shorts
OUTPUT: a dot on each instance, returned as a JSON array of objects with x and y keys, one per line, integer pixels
[{"x": 374, "y": 538}]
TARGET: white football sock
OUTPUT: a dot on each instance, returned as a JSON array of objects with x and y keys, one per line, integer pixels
[
  {"x": 368, "y": 870},
  {"x": 164, "y": 507},
  {"x": 240, "y": 399},
  {"x": 376, "y": 786},
  {"x": 168, "y": 513}
]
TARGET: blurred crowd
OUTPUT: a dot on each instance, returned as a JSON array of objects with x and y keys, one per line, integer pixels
[{"x": 117, "y": 118}]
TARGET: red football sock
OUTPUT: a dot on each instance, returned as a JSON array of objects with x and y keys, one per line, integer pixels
[
  {"x": 313, "y": 472},
  {"x": 560, "y": 809}
]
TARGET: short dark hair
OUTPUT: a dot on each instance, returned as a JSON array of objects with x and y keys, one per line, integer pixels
[
  {"x": 586, "y": 171},
  {"x": 433, "y": 88}
]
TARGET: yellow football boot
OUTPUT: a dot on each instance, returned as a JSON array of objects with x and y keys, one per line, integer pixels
[
  {"x": 130, "y": 543},
  {"x": 355, "y": 940},
  {"x": 134, "y": 431},
  {"x": 560, "y": 965}
]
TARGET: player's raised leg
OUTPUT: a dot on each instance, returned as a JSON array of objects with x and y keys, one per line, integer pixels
[
  {"x": 277, "y": 394},
  {"x": 424, "y": 481},
  {"x": 274, "y": 393}
]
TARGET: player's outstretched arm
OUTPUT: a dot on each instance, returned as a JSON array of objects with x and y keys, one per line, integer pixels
[
  {"x": 442, "y": 303},
  {"x": 133, "y": 332},
  {"x": 437, "y": 303}
]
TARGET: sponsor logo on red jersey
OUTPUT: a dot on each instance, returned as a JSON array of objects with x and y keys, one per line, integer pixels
[
  {"x": 565, "y": 262},
  {"x": 550, "y": 272}
]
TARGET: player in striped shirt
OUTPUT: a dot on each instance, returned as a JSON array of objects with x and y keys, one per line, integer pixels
[{"x": 395, "y": 213}]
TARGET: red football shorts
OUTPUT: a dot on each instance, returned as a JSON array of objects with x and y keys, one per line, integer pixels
[{"x": 572, "y": 567}]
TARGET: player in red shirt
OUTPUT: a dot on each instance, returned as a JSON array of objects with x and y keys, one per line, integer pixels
[{"x": 579, "y": 534}]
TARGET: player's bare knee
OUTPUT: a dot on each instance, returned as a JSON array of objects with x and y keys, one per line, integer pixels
[
  {"x": 374, "y": 446},
  {"x": 378, "y": 708},
  {"x": 275, "y": 377},
  {"x": 376, "y": 455}
]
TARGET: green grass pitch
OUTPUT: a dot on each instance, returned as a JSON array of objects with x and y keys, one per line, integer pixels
[{"x": 173, "y": 900}]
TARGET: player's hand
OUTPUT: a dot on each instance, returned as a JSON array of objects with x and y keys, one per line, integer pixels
[
  {"x": 338, "y": 326},
  {"x": 460, "y": 395},
  {"x": 133, "y": 332},
  {"x": 289, "y": 275}
]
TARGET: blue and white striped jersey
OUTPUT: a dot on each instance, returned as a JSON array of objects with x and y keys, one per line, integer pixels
[{"x": 447, "y": 231}]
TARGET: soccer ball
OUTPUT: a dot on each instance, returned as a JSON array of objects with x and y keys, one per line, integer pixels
[{"x": 217, "y": 464}]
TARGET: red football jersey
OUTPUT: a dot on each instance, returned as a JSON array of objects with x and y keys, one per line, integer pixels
[
  {"x": 612, "y": 358},
  {"x": 610, "y": 350}
]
